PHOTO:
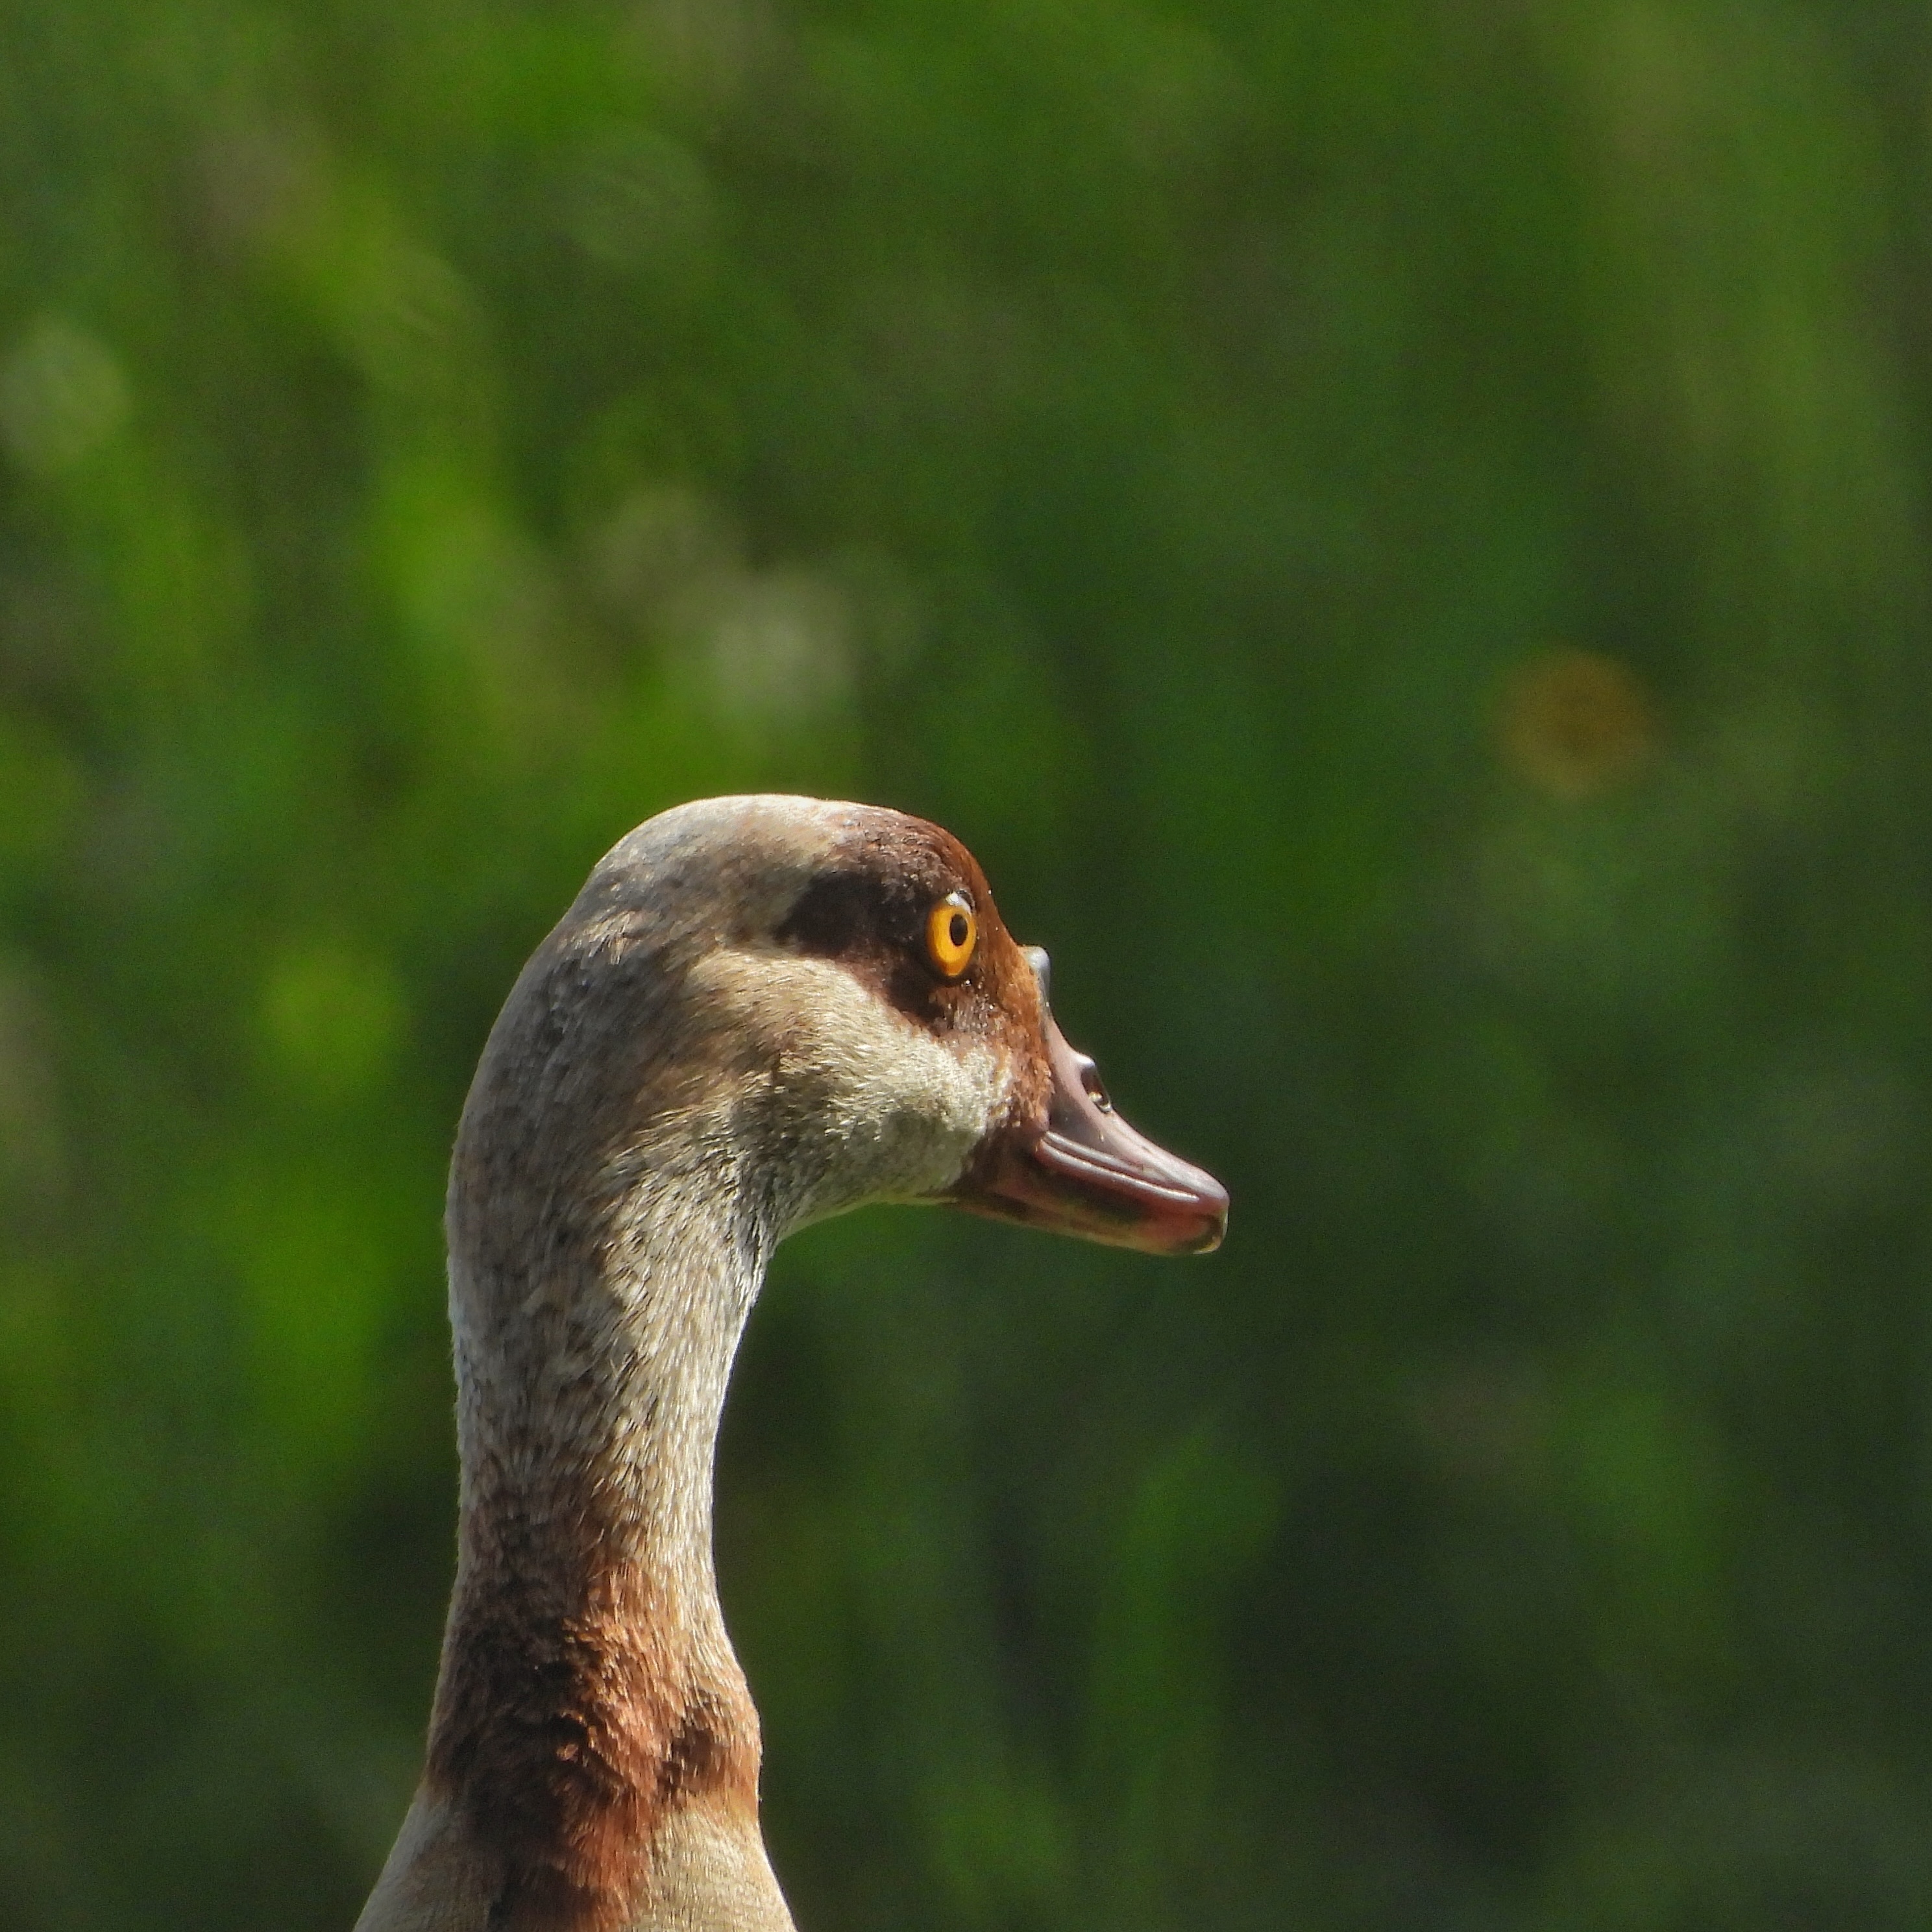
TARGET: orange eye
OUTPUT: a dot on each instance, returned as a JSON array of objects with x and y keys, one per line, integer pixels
[{"x": 951, "y": 932}]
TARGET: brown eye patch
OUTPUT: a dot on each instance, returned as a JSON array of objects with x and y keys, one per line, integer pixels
[
  {"x": 876, "y": 922},
  {"x": 871, "y": 906},
  {"x": 838, "y": 912}
]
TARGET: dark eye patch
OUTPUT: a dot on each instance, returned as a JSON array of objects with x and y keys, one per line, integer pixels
[
  {"x": 837, "y": 913},
  {"x": 852, "y": 910},
  {"x": 874, "y": 922}
]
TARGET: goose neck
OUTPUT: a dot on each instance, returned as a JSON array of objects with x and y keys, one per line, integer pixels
[
  {"x": 590, "y": 1400},
  {"x": 589, "y": 1703}
]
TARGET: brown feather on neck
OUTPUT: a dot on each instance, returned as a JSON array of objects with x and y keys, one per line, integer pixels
[{"x": 565, "y": 1734}]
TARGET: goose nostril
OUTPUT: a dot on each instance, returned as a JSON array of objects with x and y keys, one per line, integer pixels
[{"x": 1093, "y": 1086}]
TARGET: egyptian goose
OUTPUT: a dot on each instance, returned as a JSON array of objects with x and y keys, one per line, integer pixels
[{"x": 759, "y": 1012}]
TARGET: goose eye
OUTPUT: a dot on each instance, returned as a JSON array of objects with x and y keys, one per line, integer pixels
[{"x": 952, "y": 931}]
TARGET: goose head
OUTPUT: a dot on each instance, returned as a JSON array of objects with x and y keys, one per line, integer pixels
[{"x": 819, "y": 1005}]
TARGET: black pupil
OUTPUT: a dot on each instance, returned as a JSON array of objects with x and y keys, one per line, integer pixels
[{"x": 955, "y": 929}]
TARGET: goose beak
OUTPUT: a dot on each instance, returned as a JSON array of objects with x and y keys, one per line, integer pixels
[{"x": 1083, "y": 1171}]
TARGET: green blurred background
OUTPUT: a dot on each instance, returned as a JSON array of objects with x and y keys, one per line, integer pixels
[{"x": 1397, "y": 529}]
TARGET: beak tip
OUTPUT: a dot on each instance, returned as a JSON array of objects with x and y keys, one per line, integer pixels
[{"x": 1208, "y": 1232}]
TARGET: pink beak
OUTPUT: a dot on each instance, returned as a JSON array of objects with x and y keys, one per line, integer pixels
[{"x": 1084, "y": 1170}]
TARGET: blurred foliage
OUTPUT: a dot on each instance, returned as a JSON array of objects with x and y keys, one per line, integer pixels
[{"x": 1397, "y": 532}]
